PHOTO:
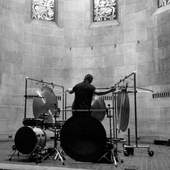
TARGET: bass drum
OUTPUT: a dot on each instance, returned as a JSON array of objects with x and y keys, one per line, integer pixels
[
  {"x": 83, "y": 138},
  {"x": 28, "y": 139}
]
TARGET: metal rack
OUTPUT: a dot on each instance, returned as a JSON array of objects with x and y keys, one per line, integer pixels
[
  {"x": 47, "y": 83},
  {"x": 128, "y": 146}
]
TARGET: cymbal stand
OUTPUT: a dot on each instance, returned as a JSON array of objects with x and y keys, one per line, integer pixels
[
  {"x": 112, "y": 152},
  {"x": 55, "y": 151}
]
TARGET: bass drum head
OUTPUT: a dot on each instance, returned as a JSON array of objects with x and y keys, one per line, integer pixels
[
  {"x": 25, "y": 140},
  {"x": 28, "y": 138},
  {"x": 83, "y": 138}
]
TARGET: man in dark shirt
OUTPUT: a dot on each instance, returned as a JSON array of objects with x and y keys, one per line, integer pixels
[{"x": 84, "y": 92}]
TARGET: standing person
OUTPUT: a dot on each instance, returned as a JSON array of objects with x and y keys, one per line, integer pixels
[{"x": 84, "y": 92}]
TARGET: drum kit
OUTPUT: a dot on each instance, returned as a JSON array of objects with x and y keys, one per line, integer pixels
[{"x": 82, "y": 138}]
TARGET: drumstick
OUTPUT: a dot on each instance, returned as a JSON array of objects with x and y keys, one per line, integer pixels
[{"x": 40, "y": 96}]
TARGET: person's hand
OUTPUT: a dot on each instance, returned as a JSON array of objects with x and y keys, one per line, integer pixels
[{"x": 69, "y": 90}]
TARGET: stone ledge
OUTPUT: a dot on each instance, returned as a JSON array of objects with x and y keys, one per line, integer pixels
[
  {"x": 162, "y": 9},
  {"x": 49, "y": 24},
  {"x": 104, "y": 24}
]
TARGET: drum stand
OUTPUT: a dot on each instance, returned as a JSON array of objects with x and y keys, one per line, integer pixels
[
  {"x": 112, "y": 154},
  {"x": 36, "y": 154},
  {"x": 14, "y": 148},
  {"x": 55, "y": 151}
]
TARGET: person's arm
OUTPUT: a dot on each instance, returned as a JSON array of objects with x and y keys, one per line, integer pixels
[
  {"x": 70, "y": 90},
  {"x": 96, "y": 92}
]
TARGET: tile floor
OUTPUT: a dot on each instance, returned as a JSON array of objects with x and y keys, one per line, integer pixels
[{"x": 139, "y": 161}]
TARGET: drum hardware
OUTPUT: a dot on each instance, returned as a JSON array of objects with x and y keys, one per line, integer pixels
[
  {"x": 34, "y": 122},
  {"x": 46, "y": 102},
  {"x": 32, "y": 96},
  {"x": 111, "y": 154},
  {"x": 132, "y": 77},
  {"x": 55, "y": 151},
  {"x": 43, "y": 102}
]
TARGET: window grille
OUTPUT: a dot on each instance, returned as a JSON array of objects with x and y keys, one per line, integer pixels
[
  {"x": 104, "y": 10},
  {"x": 43, "y": 10}
]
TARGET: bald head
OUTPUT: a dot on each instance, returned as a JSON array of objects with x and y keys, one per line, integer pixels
[{"x": 88, "y": 78}]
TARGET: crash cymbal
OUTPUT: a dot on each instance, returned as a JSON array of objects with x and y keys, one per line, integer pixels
[{"x": 45, "y": 103}]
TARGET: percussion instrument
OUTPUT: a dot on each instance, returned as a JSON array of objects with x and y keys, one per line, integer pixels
[
  {"x": 57, "y": 125},
  {"x": 28, "y": 139},
  {"x": 98, "y": 103},
  {"x": 47, "y": 117},
  {"x": 46, "y": 103},
  {"x": 83, "y": 138},
  {"x": 98, "y": 108},
  {"x": 123, "y": 110},
  {"x": 33, "y": 122}
]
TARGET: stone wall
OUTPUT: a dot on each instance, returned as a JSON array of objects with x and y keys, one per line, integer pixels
[{"x": 64, "y": 51}]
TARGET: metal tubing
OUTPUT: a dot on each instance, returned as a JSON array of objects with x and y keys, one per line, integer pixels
[
  {"x": 65, "y": 115},
  {"x": 110, "y": 123},
  {"x": 122, "y": 80},
  {"x": 135, "y": 107},
  {"x": 85, "y": 110},
  {"x": 41, "y": 81},
  {"x": 25, "y": 107},
  {"x": 128, "y": 136},
  {"x": 113, "y": 105},
  {"x": 115, "y": 111},
  {"x": 63, "y": 105}
]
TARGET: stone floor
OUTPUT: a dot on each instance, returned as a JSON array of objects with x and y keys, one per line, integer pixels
[{"x": 139, "y": 161}]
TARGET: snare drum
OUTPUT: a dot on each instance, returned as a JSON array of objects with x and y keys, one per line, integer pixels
[{"x": 28, "y": 139}]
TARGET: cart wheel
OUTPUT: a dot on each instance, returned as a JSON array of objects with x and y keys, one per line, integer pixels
[
  {"x": 150, "y": 153},
  {"x": 126, "y": 153}
]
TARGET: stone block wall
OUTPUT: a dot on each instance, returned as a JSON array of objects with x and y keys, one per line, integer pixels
[{"x": 64, "y": 51}]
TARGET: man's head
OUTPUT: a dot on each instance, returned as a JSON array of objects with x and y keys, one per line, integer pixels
[{"x": 88, "y": 78}]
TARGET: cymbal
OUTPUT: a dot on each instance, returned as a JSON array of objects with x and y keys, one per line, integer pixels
[
  {"x": 98, "y": 103},
  {"x": 47, "y": 102},
  {"x": 123, "y": 110}
]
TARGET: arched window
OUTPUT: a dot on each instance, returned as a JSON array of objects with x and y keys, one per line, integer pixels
[{"x": 104, "y": 10}]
